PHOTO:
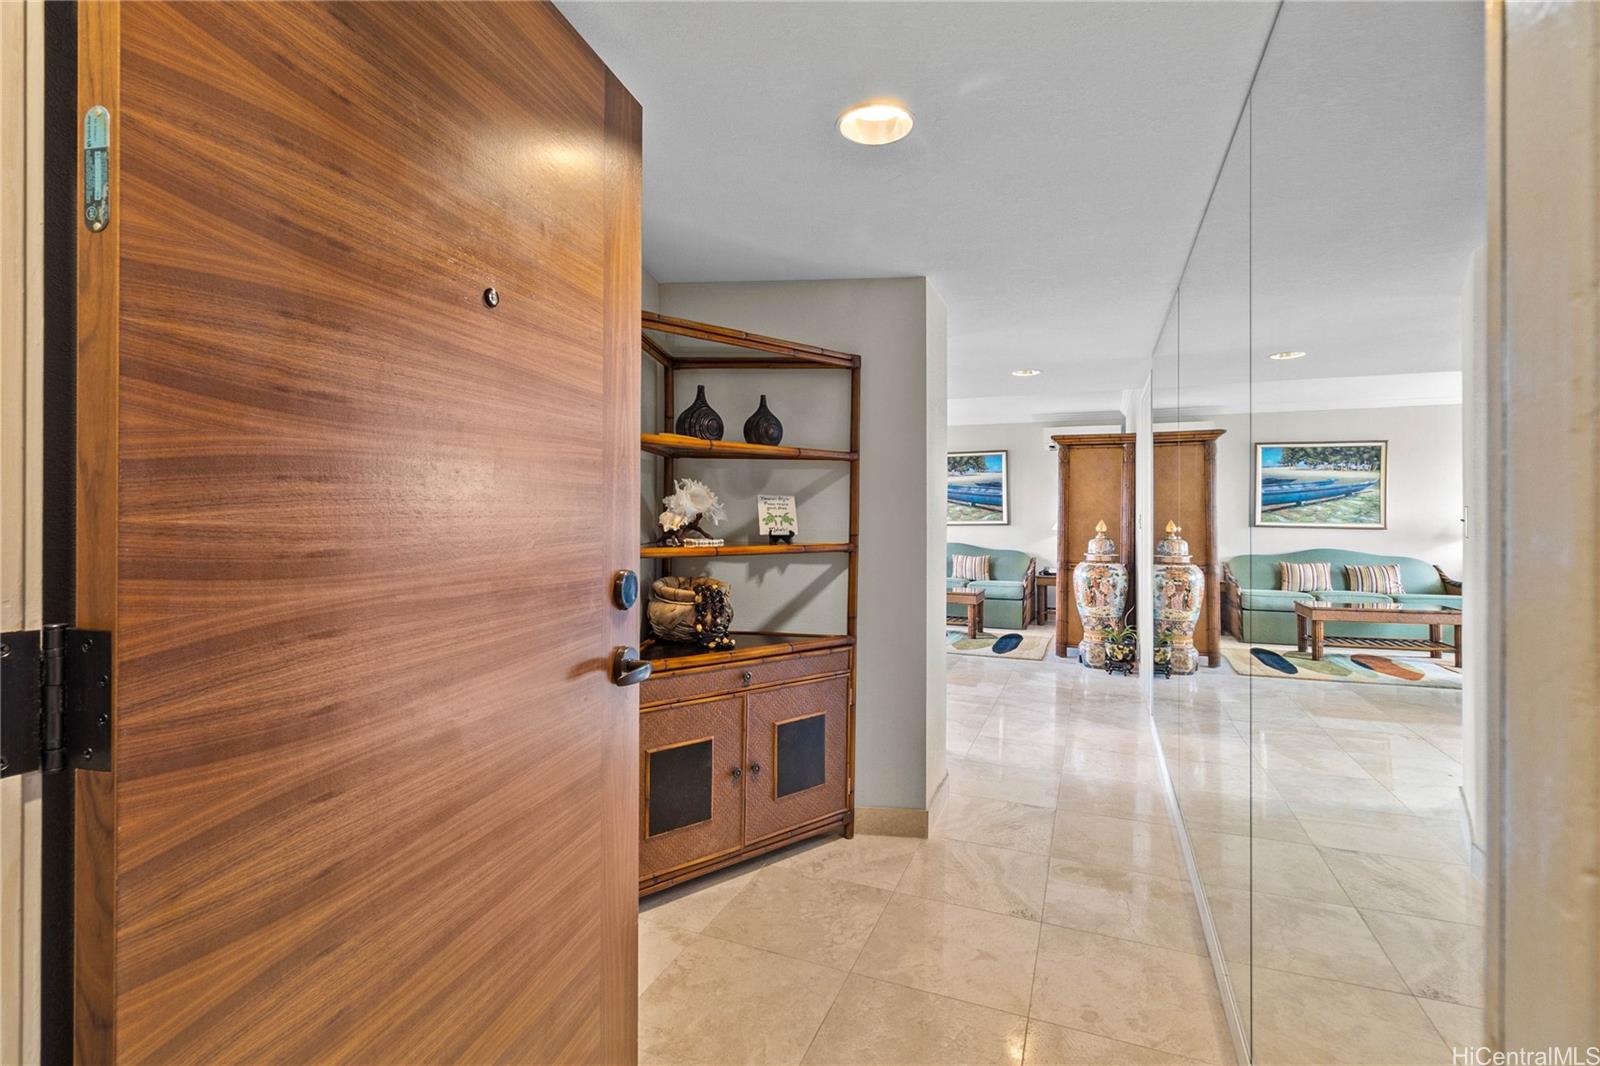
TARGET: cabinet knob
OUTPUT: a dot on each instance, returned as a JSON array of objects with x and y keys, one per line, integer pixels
[
  {"x": 737, "y": 773},
  {"x": 755, "y": 768},
  {"x": 747, "y": 677}
]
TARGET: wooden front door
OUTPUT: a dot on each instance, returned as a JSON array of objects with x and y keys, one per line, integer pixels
[{"x": 352, "y": 520}]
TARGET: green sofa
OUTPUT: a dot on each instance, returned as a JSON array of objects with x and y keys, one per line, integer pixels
[
  {"x": 1008, "y": 594},
  {"x": 1257, "y": 610}
]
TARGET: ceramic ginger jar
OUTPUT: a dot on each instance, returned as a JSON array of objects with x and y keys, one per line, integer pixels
[
  {"x": 1100, "y": 590},
  {"x": 1179, "y": 589}
]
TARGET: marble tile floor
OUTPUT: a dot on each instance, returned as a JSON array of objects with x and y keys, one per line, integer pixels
[
  {"x": 1335, "y": 862},
  {"x": 1049, "y": 919}
]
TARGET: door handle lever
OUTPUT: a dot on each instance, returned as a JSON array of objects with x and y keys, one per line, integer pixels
[{"x": 626, "y": 666}]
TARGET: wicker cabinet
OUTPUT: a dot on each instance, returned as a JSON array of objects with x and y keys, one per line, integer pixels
[{"x": 736, "y": 761}]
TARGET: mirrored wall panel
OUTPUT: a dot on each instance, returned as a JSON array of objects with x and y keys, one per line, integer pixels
[{"x": 1308, "y": 455}]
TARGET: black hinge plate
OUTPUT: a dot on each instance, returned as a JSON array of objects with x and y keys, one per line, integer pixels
[
  {"x": 86, "y": 725},
  {"x": 20, "y": 706},
  {"x": 84, "y": 700}
]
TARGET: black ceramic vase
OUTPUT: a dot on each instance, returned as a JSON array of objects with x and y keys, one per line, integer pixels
[
  {"x": 763, "y": 427},
  {"x": 699, "y": 420}
]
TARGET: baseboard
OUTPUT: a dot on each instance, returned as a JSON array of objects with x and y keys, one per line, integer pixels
[{"x": 892, "y": 822}]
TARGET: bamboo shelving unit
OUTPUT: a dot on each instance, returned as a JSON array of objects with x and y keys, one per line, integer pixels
[{"x": 764, "y": 353}]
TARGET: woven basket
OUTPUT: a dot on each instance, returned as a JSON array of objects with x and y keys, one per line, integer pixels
[{"x": 696, "y": 610}]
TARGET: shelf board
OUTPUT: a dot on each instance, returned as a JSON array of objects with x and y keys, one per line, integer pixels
[
  {"x": 689, "y": 551},
  {"x": 675, "y": 446},
  {"x": 669, "y": 657}
]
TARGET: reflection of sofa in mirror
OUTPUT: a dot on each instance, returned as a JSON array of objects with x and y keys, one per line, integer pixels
[
  {"x": 1008, "y": 594},
  {"x": 1257, "y": 609}
]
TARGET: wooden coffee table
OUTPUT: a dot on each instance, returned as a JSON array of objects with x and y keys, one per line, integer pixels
[
  {"x": 1311, "y": 618},
  {"x": 969, "y": 600}
]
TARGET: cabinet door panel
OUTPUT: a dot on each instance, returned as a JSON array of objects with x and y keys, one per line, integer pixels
[
  {"x": 796, "y": 755},
  {"x": 689, "y": 794}
]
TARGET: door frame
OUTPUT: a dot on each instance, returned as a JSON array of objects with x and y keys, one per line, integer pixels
[
  {"x": 38, "y": 70},
  {"x": 1542, "y": 386}
]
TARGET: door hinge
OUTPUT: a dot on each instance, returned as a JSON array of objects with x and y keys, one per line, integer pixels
[{"x": 55, "y": 700}]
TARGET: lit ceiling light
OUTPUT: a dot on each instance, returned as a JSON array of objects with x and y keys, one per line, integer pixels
[
  {"x": 1284, "y": 356},
  {"x": 877, "y": 122},
  {"x": 1025, "y": 373}
]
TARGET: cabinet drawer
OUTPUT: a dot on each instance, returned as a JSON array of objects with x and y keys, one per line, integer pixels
[
  {"x": 735, "y": 678},
  {"x": 690, "y": 793},
  {"x": 797, "y": 755}
]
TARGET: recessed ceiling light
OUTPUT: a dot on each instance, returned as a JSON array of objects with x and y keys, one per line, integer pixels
[
  {"x": 1025, "y": 373},
  {"x": 1281, "y": 356},
  {"x": 875, "y": 122}
]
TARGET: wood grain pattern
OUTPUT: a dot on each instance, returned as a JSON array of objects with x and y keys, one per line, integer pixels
[
  {"x": 1185, "y": 493},
  {"x": 698, "y": 684},
  {"x": 697, "y": 551},
  {"x": 1097, "y": 482},
  {"x": 678, "y": 446},
  {"x": 670, "y": 658},
  {"x": 374, "y": 800},
  {"x": 98, "y": 388},
  {"x": 792, "y": 351},
  {"x": 618, "y": 1007}
]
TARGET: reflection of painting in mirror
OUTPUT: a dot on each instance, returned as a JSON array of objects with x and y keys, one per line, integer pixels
[
  {"x": 975, "y": 489},
  {"x": 1322, "y": 484}
]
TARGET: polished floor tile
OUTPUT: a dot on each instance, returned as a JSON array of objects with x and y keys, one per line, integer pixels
[
  {"x": 1113, "y": 797},
  {"x": 1120, "y": 903},
  {"x": 1409, "y": 886},
  {"x": 865, "y": 860},
  {"x": 1408, "y": 837},
  {"x": 1335, "y": 798},
  {"x": 1117, "y": 843},
  {"x": 1015, "y": 784},
  {"x": 810, "y": 918},
  {"x": 999, "y": 823},
  {"x": 1056, "y": 1045},
  {"x": 719, "y": 1003},
  {"x": 658, "y": 946},
  {"x": 1010, "y": 750},
  {"x": 975, "y": 875},
  {"x": 693, "y": 905},
  {"x": 1049, "y": 918},
  {"x": 1439, "y": 960},
  {"x": 1082, "y": 760},
  {"x": 966, "y": 954},
  {"x": 1137, "y": 993},
  {"x": 1272, "y": 866},
  {"x": 1263, "y": 816},
  {"x": 874, "y": 1022},
  {"x": 1298, "y": 1020},
  {"x": 1460, "y": 1027},
  {"x": 1300, "y": 936}
]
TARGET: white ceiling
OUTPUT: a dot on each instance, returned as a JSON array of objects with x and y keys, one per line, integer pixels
[{"x": 1062, "y": 156}]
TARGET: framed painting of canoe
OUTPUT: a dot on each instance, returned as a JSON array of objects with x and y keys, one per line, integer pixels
[
  {"x": 975, "y": 489},
  {"x": 1323, "y": 485}
]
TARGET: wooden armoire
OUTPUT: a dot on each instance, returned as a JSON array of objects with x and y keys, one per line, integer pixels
[{"x": 1097, "y": 485}]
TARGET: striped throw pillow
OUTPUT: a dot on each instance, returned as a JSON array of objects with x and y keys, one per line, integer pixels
[
  {"x": 1384, "y": 579},
  {"x": 1306, "y": 577},
  {"x": 970, "y": 567}
]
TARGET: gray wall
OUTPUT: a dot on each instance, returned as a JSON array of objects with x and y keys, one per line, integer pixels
[
  {"x": 897, "y": 327},
  {"x": 1031, "y": 479}
]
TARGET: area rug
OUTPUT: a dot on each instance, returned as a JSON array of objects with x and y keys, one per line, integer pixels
[
  {"x": 1358, "y": 668},
  {"x": 1002, "y": 645}
]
